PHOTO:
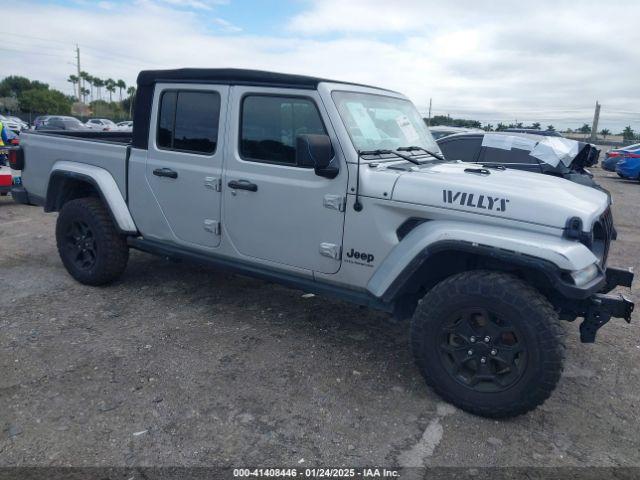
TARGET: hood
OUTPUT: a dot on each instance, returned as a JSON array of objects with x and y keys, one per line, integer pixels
[{"x": 510, "y": 194}]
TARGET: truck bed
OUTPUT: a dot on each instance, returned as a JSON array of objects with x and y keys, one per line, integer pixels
[
  {"x": 43, "y": 149},
  {"x": 93, "y": 135}
]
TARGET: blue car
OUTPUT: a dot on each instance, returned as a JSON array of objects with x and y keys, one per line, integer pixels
[
  {"x": 613, "y": 156},
  {"x": 629, "y": 164}
]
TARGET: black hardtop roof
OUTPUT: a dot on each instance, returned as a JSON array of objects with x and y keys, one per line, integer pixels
[{"x": 234, "y": 76}]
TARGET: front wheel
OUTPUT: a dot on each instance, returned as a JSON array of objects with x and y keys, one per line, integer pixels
[
  {"x": 90, "y": 247},
  {"x": 488, "y": 343}
]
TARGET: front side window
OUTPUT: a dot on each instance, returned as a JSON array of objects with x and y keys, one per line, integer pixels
[
  {"x": 270, "y": 125},
  {"x": 379, "y": 122},
  {"x": 188, "y": 121}
]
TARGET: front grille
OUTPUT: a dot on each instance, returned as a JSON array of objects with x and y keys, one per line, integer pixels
[{"x": 603, "y": 233}]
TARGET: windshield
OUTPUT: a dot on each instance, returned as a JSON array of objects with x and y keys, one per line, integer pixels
[{"x": 378, "y": 122}]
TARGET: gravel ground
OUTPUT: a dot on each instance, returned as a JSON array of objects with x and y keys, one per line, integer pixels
[{"x": 181, "y": 365}]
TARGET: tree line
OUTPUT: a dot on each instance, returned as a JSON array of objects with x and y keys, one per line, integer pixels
[
  {"x": 110, "y": 85},
  {"x": 32, "y": 96},
  {"x": 446, "y": 120},
  {"x": 21, "y": 94}
]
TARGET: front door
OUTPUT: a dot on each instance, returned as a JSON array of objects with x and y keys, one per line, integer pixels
[
  {"x": 184, "y": 164},
  {"x": 274, "y": 209}
]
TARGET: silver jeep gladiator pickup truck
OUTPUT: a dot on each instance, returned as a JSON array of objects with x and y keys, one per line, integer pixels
[{"x": 339, "y": 189}]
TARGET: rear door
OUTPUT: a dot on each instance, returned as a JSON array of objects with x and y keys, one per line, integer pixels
[
  {"x": 274, "y": 209},
  {"x": 184, "y": 164}
]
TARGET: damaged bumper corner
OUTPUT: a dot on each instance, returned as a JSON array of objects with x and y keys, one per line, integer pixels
[{"x": 603, "y": 306}]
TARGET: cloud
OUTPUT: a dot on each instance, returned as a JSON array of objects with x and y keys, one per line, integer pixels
[
  {"x": 226, "y": 26},
  {"x": 548, "y": 61},
  {"x": 197, "y": 4}
]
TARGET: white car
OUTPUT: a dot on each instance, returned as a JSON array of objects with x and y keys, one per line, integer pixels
[
  {"x": 125, "y": 126},
  {"x": 102, "y": 124},
  {"x": 13, "y": 123}
]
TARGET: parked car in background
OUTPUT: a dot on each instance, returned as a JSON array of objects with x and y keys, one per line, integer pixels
[
  {"x": 628, "y": 165},
  {"x": 60, "y": 122},
  {"x": 533, "y": 131},
  {"x": 613, "y": 156},
  {"x": 23, "y": 125},
  {"x": 38, "y": 121},
  {"x": 15, "y": 125},
  {"x": 102, "y": 124},
  {"x": 440, "y": 131},
  {"x": 560, "y": 157},
  {"x": 125, "y": 126}
]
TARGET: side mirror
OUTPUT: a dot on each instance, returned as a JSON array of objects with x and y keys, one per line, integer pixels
[{"x": 316, "y": 151}]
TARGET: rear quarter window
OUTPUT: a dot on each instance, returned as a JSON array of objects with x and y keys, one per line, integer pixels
[
  {"x": 513, "y": 158},
  {"x": 465, "y": 149}
]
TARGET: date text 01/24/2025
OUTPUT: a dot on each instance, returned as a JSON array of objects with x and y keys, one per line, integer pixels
[{"x": 316, "y": 472}]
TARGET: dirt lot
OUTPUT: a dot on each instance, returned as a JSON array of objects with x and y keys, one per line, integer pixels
[{"x": 181, "y": 365}]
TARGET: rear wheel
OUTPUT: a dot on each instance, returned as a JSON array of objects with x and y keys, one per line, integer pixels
[
  {"x": 90, "y": 247},
  {"x": 488, "y": 343}
]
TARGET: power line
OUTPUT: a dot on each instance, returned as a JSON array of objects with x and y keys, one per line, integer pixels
[
  {"x": 34, "y": 53},
  {"x": 117, "y": 57}
]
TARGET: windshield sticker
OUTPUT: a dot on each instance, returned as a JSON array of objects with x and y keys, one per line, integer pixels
[
  {"x": 408, "y": 130},
  {"x": 503, "y": 142},
  {"x": 363, "y": 120}
]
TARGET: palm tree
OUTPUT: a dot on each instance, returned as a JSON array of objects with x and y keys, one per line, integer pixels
[
  {"x": 111, "y": 88},
  {"x": 84, "y": 76},
  {"x": 131, "y": 91},
  {"x": 121, "y": 86},
  {"x": 628, "y": 133},
  {"x": 73, "y": 80},
  {"x": 604, "y": 132},
  {"x": 98, "y": 83},
  {"x": 90, "y": 82}
]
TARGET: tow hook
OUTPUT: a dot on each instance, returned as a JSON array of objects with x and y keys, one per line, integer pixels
[{"x": 602, "y": 308}]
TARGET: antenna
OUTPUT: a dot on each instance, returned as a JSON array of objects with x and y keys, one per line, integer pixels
[{"x": 357, "y": 206}]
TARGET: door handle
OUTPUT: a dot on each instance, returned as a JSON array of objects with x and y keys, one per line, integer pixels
[
  {"x": 243, "y": 185},
  {"x": 165, "y": 172}
]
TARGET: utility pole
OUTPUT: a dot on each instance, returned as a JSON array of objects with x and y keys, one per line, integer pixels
[
  {"x": 429, "y": 120},
  {"x": 594, "y": 125},
  {"x": 79, "y": 79}
]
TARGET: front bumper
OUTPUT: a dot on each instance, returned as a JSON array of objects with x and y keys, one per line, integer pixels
[{"x": 602, "y": 307}]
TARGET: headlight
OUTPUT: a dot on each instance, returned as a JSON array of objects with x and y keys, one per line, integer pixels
[{"x": 584, "y": 276}]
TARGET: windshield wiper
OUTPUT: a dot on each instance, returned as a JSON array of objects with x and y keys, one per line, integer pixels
[
  {"x": 413, "y": 148},
  {"x": 390, "y": 152}
]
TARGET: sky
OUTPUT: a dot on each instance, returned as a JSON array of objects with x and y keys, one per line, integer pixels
[{"x": 544, "y": 61}]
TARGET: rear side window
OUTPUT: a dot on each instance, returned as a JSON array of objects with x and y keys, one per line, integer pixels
[
  {"x": 513, "y": 158},
  {"x": 270, "y": 125},
  {"x": 188, "y": 121},
  {"x": 465, "y": 149}
]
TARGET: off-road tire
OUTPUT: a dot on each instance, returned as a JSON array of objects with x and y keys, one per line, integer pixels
[
  {"x": 111, "y": 252},
  {"x": 525, "y": 308}
]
